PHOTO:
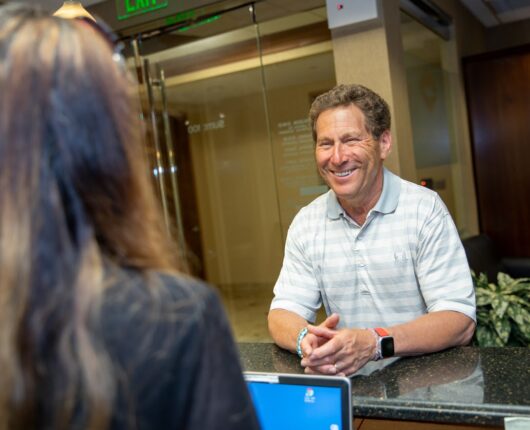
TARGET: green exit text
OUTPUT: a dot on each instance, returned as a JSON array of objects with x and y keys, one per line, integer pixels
[{"x": 130, "y": 8}]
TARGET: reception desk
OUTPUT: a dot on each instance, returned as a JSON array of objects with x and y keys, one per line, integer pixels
[{"x": 466, "y": 385}]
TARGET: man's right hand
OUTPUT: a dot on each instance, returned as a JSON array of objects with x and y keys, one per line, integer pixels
[{"x": 312, "y": 341}]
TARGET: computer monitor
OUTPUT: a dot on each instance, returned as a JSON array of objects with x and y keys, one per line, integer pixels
[{"x": 301, "y": 402}]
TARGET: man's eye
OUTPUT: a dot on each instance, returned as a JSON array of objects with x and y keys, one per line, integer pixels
[{"x": 325, "y": 144}]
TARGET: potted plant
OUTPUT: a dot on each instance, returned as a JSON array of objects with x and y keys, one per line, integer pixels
[{"x": 503, "y": 311}]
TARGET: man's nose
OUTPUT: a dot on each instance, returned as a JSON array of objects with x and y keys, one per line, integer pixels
[{"x": 337, "y": 157}]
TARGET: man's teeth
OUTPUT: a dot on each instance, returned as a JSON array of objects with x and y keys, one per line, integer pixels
[{"x": 345, "y": 173}]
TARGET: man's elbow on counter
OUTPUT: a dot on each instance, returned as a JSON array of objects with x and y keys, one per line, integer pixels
[
  {"x": 273, "y": 322},
  {"x": 467, "y": 332}
]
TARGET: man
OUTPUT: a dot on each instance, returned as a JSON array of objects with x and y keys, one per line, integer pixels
[{"x": 381, "y": 254}]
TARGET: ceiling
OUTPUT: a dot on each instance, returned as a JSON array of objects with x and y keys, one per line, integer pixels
[
  {"x": 489, "y": 12},
  {"x": 496, "y": 12}
]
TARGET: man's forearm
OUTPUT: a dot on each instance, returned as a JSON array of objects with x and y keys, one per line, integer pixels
[
  {"x": 284, "y": 327},
  {"x": 432, "y": 332}
]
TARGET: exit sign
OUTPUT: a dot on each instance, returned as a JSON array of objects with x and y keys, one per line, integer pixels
[{"x": 129, "y": 8}]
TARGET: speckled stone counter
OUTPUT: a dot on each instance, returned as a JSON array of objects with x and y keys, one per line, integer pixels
[{"x": 463, "y": 385}]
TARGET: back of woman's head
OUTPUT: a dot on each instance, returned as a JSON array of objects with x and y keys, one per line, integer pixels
[
  {"x": 74, "y": 194},
  {"x": 67, "y": 115}
]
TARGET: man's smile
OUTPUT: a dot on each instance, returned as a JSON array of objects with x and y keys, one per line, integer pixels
[{"x": 343, "y": 173}]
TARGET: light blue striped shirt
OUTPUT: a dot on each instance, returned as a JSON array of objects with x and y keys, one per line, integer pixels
[{"x": 404, "y": 261}]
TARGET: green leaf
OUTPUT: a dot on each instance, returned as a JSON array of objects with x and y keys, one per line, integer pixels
[
  {"x": 487, "y": 337},
  {"x": 518, "y": 300},
  {"x": 522, "y": 318},
  {"x": 517, "y": 338},
  {"x": 502, "y": 328},
  {"x": 484, "y": 297},
  {"x": 520, "y": 286},
  {"x": 504, "y": 280},
  {"x": 503, "y": 311},
  {"x": 480, "y": 281},
  {"x": 499, "y": 305},
  {"x": 483, "y": 316}
]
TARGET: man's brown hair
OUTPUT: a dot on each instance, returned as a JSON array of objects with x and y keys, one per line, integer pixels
[{"x": 374, "y": 108}]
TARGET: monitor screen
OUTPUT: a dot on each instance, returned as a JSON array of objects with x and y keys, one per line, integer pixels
[{"x": 301, "y": 402}]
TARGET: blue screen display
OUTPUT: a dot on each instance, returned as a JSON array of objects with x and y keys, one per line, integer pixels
[{"x": 296, "y": 407}]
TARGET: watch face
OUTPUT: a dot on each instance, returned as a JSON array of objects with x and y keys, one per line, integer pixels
[{"x": 387, "y": 347}]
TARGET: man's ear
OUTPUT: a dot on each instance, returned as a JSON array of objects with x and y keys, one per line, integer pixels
[{"x": 385, "y": 144}]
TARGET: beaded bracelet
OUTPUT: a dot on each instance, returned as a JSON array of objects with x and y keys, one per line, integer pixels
[
  {"x": 378, "y": 355},
  {"x": 301, "y": 335}
]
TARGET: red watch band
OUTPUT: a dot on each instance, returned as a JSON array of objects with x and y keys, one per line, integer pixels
[{"x": 381, "y": 332}]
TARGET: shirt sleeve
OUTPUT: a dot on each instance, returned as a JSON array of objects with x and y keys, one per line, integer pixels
[
  {"x": 297, "y": 288},
  {"x": 442, "y": 269}
]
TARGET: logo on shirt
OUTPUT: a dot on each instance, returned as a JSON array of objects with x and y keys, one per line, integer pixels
[{"x": 400, "y": 256}]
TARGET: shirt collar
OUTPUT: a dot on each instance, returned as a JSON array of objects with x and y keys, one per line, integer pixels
[{"x": 387, "y": 202}]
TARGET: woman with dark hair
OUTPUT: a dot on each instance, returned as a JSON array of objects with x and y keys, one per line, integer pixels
[{"x": 97, "y": 327}]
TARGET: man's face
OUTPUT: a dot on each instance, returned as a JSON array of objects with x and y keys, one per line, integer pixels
[{"x": 347, "y": 156}]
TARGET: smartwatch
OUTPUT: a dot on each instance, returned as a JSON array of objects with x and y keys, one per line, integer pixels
[{"x": 385, "y": 344}]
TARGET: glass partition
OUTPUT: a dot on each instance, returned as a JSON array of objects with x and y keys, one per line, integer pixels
[
  {"x": 291, "y": 88},
  {"x": 231, "y": 150}
]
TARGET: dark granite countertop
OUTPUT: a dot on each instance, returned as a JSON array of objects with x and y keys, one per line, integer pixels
[{"x": 464, "y": 385}]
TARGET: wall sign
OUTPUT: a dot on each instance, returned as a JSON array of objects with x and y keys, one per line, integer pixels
[
  {"x": 147, "y": 15},
  {"x": 129, "y": 8}
]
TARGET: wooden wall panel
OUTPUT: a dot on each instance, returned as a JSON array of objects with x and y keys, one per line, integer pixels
[{"x": 498, "y": 94}]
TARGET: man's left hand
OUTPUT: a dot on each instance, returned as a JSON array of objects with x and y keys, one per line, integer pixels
[{"x": 346, "y": 351}]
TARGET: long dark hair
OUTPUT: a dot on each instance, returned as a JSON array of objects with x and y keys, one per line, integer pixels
[{"x": 74, "y": 198}]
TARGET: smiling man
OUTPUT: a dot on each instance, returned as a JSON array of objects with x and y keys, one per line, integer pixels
[{"x": 381, "y": 254}]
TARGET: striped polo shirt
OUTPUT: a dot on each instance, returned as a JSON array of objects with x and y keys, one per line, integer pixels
[{"x": 404, "y": 261}]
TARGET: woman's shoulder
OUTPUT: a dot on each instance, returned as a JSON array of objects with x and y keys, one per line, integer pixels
[
  {"x": 140, "y": 302},
  {"x": 157, "y": 327},
  {"x": 177, "y": 287},
  {"x": 153, "y": 285}
]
